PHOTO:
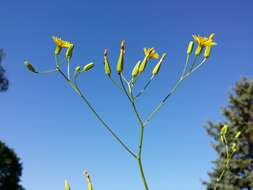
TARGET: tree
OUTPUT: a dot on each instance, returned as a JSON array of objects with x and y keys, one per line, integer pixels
[
  {"x": 233, "y": 170},
  {"x": 4, "y": 83},
  {"x": 10, "y": 169},
  {"x": 10, "y": 166}
]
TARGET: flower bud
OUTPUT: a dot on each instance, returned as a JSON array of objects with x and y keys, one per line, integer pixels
[
  {"x": 190, "y": 47},
  {"x": 135, "y": 70},
  {"x": 78, "y": 68},
  {"x": 158, "y": 65},
  {"x": 57, "y": 50},
  {"x": 198, "y": 50},
  {"x": 120, "y": 64},
  {"x": 69, "y": 52},
  {"x": 207, "y": 52},
  {"x": 106, "y": 63},
  {"x": 87, "y": 176},
  {"x": 30, "y": 67},
  {"x": 66, "y": 185},
  {"x": 143, "y": 64},
  {"x": 88, "y": 67},
  {"x": 211, "y": 36}
]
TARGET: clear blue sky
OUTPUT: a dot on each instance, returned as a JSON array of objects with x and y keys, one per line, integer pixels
[{"x": 57, "y": 137}]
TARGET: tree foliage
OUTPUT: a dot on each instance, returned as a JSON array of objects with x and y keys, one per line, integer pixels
[
  {"x": 10, "y": 169},
  {"x": 4, "y": 83},
  {"x": 238, "y": 172}
]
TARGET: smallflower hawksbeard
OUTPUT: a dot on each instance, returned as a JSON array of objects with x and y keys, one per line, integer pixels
[
  {"x": 61, "y": 43},
  {"x": 150, "y": 53},
  {"x": 204, "y": 41}
]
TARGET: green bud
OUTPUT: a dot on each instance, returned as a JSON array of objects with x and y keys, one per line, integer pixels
[
  {"x": 69, "y": 52},
  {"x": 198, "y": 50},
  {"x": 135, "y": 70},
  {"x": 158, "y": 65},
  {"x": 78, "y": 68},
  {"x": 120, "y": 64},
  {"x": 87, "y": 176},
  {"x": 30, "y": 67},
  {"x": 88, "y": 67},
  {"x": 143, "y": 64},
  {"x": 207, "y": 52},
  {"x": 106, "y": 63},
  {"x": 57, "y": 50},
  {"x": 190, "y": 47},
  {"x": 66, "y": 185}
]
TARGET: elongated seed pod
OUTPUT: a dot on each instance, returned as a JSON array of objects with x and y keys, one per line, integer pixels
[
  {"x": 158, "y": 65},
  {"x": 87, "y": 176},
  {"x": 135, "y": 70},
  {"x": 30, "y": 67},
  {"x": 88, "y": 67},
  {"x": 107, "y": 67},
  {"x": 207, "y": 52},
  {"x": 66, "y": 185},
  {"x": 190, "y": 47},
  {"x": 120, "y": 64}
]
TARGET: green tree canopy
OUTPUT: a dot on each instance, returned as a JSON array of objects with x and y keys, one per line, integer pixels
[
  {"x": 234, "y": 165},
  {"x": 10, "y": 169},
  {"x": 4, "y": 83}
]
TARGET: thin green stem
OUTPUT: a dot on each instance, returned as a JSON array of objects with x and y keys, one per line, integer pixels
[
  {"x": 75, "y": 87},
  {"x": 139, "y": 158},
  {"x": 47, "y": 72},
  {"x": 139, "y": 155},
  {"x": 124, "y": 88},
  {"x": 124, "y": 78},
  {"x": 145, "y": 87},
  {"x": 171, "y": 92},
  {"x": 185, "y": 65},
  {"x": 68, "y": 66},
  {"x": 116, "y": 84},
  {"x": 193, "y": 63}
]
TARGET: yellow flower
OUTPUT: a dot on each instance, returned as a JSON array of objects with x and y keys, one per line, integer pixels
[
  {"x": 204, "y": 41},
  {"x": 61, "y": 43},
  {"x": 150, "y": 53}
]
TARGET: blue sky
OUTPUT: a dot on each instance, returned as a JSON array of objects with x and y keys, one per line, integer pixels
[{"x": 57, "y": 137}]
